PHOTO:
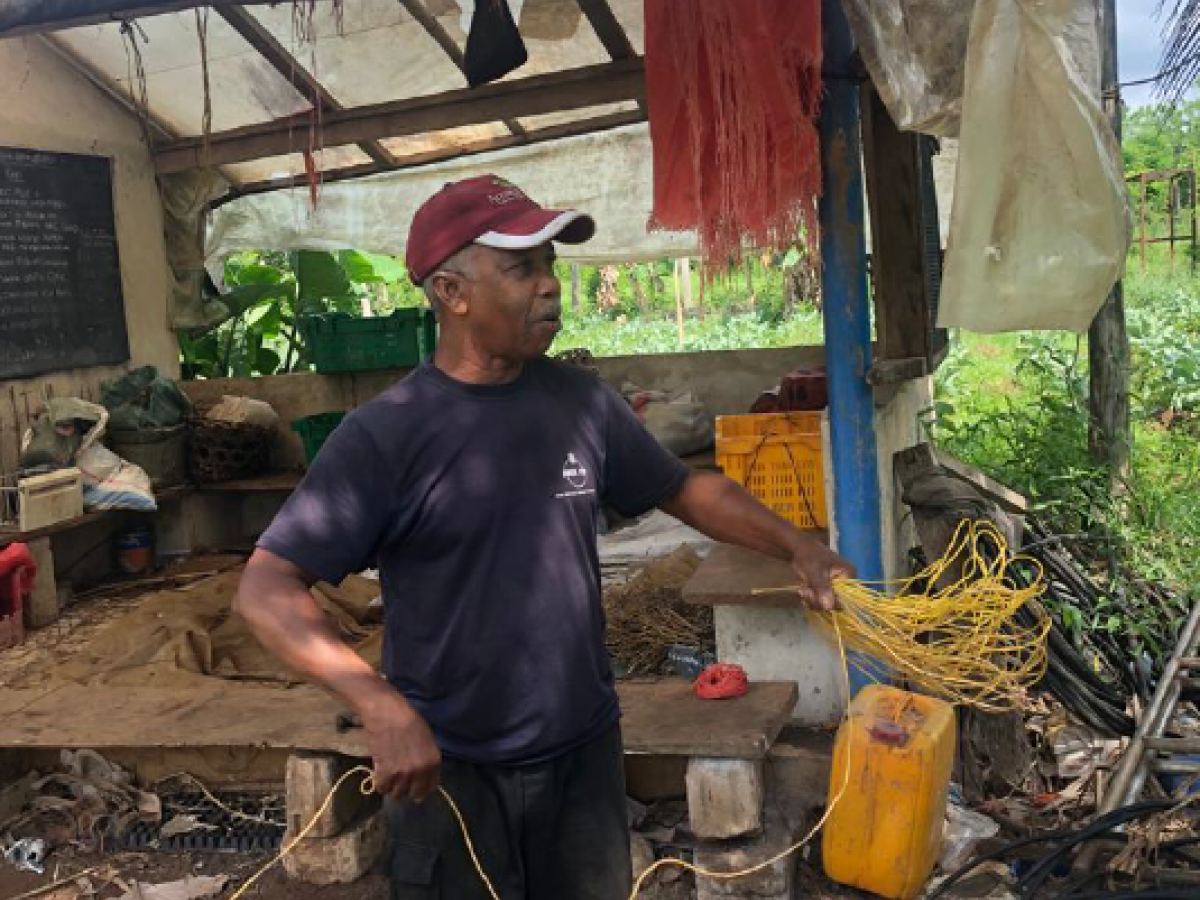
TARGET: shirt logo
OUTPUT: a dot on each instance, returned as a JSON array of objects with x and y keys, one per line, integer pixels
[{"x": 577, "y": 477}]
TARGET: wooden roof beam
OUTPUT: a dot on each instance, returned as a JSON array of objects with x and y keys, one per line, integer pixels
[
  {"x": 614, "y": 82},
  {"x": 591, "y": 125},
  {"x": 608, "y": 29},
  {"x": 19, "y": 17},
  {"x": 283, "y": 62},
  {"x": 428, "y": 21}
]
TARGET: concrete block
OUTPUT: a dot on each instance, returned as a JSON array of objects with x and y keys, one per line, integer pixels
[
  {"x": 651, "y": 777},
  {"x": 775, "y": 882},
  {"x": 786, "y": 644},
  {"x": 799, "y": 766},
  {"x": 341, "y": 859},
  {"x": 41, "y": 607},
  {"x": 309, "y": 779},
  {"x": 725, "y": 797},
  {"x": 641, "y": 854}
]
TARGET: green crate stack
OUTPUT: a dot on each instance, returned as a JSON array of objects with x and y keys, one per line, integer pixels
[
  {"x": 339, "y": 342},
  {"x": 314, "y": 430}
]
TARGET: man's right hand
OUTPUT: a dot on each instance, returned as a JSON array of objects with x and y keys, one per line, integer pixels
[{"x": 407, "y": 759}]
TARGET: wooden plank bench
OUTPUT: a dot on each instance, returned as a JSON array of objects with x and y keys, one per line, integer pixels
[{"x": 725, "y": 743}]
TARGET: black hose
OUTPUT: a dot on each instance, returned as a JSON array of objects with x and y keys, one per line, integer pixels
[
  {"x": 1033, "y": 880},
  {"x": 1149, "y": 894},
  {"x": 1067, "y": 840}
]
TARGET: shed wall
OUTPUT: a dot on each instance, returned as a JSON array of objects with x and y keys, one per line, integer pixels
[{"x": 46, "y": 105}]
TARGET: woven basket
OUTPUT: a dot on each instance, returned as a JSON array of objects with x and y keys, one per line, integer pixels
[{"x": 222, "y": 451}]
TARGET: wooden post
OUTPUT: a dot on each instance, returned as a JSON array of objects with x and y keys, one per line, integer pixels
[
  {"x": 675, "y": 276},
  {"x": 1142, "y": 182},
  {"x": 575, "y": 283},
  {"x": 685, "y": 273},
  {"x": 639, "y": 293},
  {"x": 1171, "y": 216},
  {"x": 892, "y": 161},
  {"x": 1108, "y": 341},
  {"x": 1192, "y": 194}
]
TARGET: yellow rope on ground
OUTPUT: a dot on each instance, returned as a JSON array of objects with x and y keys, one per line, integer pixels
[{"x": 960, "y": 642}]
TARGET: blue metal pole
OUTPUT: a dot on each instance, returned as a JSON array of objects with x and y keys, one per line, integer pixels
[{"x": 847, "y": 310}]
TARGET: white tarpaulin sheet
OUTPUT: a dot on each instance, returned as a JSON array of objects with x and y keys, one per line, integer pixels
[
  {"x": 606, "y": 174},
  {"x": 1040, "y": 226}
]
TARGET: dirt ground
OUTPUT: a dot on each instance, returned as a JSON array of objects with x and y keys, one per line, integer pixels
[{"x": 156, "y": 868}]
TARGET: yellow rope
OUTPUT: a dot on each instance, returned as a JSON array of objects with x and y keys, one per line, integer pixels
[{"x": 959, "y": 642}]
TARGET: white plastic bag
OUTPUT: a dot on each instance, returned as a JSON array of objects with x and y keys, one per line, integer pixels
[
  {"x": 110, "y": 482},
  {"x": 243, "y": 411},
  {"x": 963, "y": 832},
  {"x": 914, "y": 50},
  {"x": 1040, "y": 224},
  {"x": 678, "y": 421}
]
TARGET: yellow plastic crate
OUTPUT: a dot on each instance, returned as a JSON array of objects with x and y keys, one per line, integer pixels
[{"x": 777, "y": 457}]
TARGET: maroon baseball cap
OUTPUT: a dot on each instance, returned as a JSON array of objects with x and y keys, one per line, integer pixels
[{"x": 490, "y": 211}]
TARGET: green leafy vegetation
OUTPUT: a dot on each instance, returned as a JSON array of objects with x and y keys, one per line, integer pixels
[
  {"x": 616, "y": 311},
  {"x": 1015, "y": 406}
]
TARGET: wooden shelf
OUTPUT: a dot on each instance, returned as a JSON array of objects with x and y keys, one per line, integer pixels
[
  {"x": 271, "y": 482},
  {"x": 10, "y": 535}
]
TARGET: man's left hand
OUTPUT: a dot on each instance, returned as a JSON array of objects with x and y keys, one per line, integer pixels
[{"x": 817, "y": 566}]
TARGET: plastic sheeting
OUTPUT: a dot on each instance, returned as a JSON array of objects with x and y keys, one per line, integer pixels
[
  {"x": 607, "y": 174},
  {"x": 1040, "y": 225},
  {"x": 916, "y": 52}
]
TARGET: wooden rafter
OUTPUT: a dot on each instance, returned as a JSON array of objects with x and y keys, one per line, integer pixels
[
  {"x": 612, "y": 35},
  {"x": 608, "y": 29},
  {"x": 614, "y": 82},
  {"x": 591, "y": 125},
  {"x": 283, "y": 62},
  {"x": 19, "y": 17},
  {"x": 428, "y": 21}
]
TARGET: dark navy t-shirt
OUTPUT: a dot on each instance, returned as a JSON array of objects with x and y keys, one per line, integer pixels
[{"x": 479, "y": 504}]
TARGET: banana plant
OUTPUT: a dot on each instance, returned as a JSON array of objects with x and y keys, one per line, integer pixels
[{"x": 265, "y": 294}]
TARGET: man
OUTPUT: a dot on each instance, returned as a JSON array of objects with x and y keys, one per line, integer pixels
[{"x": 476, "y": 484}]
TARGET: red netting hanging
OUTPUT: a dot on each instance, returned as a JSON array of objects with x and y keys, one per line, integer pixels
[{"x": 734, "y": 91}]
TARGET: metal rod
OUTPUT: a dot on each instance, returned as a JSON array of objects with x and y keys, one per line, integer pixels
[
  {"x": 1174, "y": 745},
  {"x": 1130, "y": 774},
  {"x": 1174, "y": 767},
  {"x": 1129, "y": 777},
  {"x": 847, "y": 311},
  {"x": 848, "y": 318}
]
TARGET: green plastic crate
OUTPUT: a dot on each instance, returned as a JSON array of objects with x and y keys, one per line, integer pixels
[
  {"x": 344, "y": 343},
  {"x": 314, "y": 430}
]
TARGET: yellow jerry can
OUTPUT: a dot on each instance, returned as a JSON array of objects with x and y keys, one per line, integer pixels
[{"x": 885, "y": 833}]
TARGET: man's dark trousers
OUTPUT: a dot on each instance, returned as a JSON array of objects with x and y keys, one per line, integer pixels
[{"x": 554, "y": 830}]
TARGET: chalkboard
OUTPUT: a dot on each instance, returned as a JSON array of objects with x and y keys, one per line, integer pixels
[{"x": 60, "y": 277}]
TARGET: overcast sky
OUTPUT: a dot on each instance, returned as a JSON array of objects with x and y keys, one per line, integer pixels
[{"x": 1140, "y": 46}]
